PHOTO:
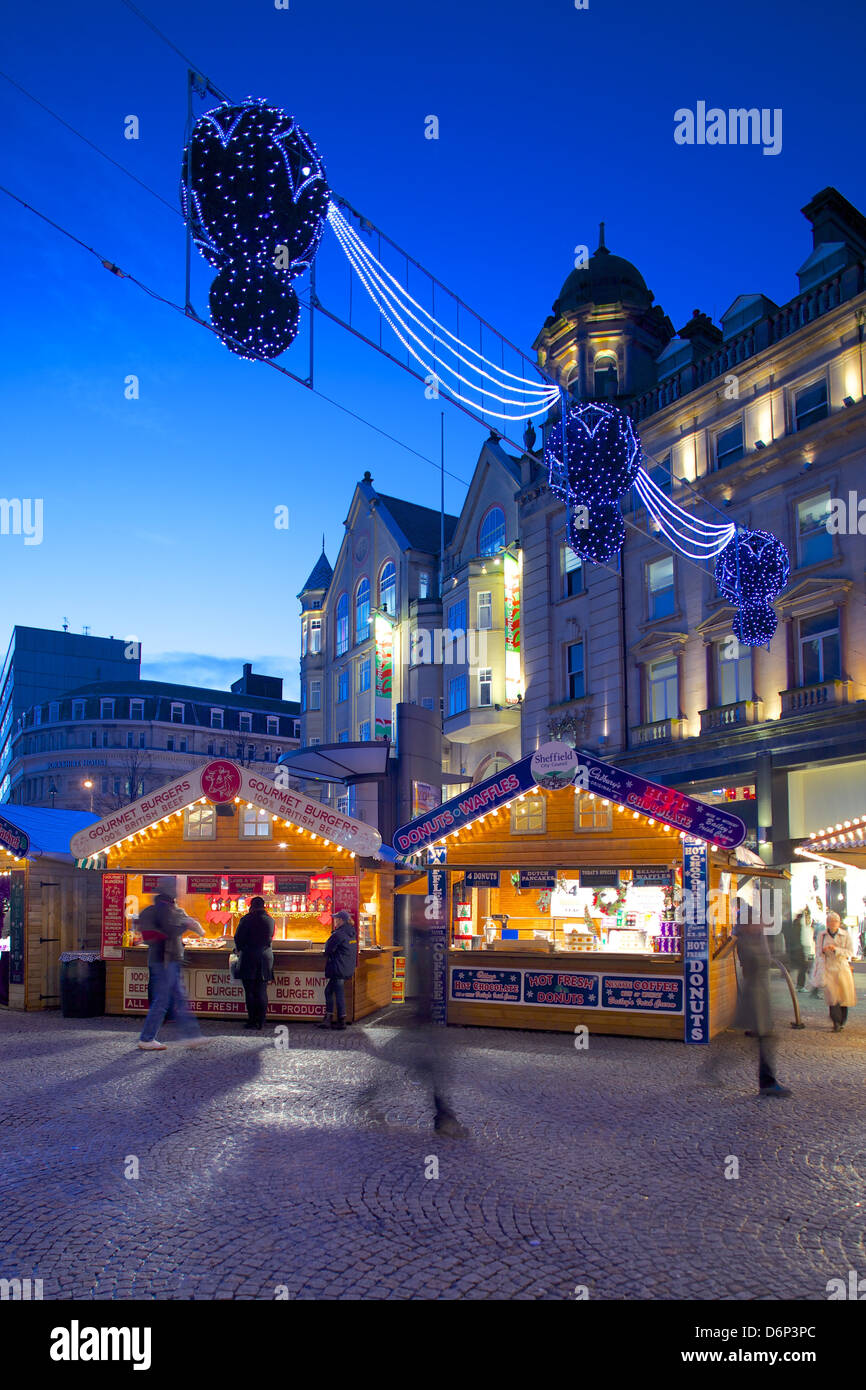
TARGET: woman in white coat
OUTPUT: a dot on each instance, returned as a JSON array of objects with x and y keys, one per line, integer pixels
[{"x": 835, "y": 949}]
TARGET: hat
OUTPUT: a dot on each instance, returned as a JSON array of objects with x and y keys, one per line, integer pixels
[
  {"x": 344, "y": 916},
  {"x": 166, "y": 888}
]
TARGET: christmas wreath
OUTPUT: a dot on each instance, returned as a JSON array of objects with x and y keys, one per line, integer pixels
[{"x": 609, "y": 900}]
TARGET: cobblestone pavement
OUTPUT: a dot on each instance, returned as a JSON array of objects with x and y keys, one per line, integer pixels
[{"x": 602, "y": 1168}]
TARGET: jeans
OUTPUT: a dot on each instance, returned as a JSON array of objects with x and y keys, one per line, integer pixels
[
  {"x": 335, "y": 989},
  {"x": 168, "y": 992}
]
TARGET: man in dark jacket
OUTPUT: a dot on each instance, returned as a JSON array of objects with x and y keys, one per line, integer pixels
[
  {"x": 162, "y": 926},
  {"x": 341, "y": 957},
  {"x": 253, "y": 943}
]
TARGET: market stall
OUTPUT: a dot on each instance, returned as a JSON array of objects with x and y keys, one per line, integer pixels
[
  {"x": 223, "y": 834},
  {"x": 48, "y": 907},
  {"x": 570, "y": 892},
  {"x": 830, "y": 872}
]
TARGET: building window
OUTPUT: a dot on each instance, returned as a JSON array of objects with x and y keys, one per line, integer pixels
[
  {"x": 485, "y": 686},
  {"x": 820, "y": 650},
  {"x": 142, "y": 740},
  {"x": 53, "y": 712},
  {"x": 342, "y": 687},
  {"x": 814, "y": 539},
  {"x": 660, "y": 587},
  {"x": 211, "y": 749},
  {"x": 117, "y": 786},
  {"x": 315, "y": 636},
  {"x": 106, "y": 709},
  {"x": 457, "y": 617},
  {"x": 343, "y": 736},
  {"x": 572, "y": 573},
  {"x": 254, "y": 824},
  {"x": 529, "y": 817},
  {"x": 362, "y": 611},
  {"x": 37, "y": 715},
  {"x": 388, "y": 589},
  {"x": 303, "y": 696},
  {"x": 267, "y": 755},
  {"x": 457, "y": 695},
  {"x": 273, "y": 725},
  {"x": 364, "y": 675},
  {"x": 177, "y": 713},
  {"x": 304, "y": 639},
  {"x": 491, "y": 533},
  {"x": 661, "y": 473},
  {"x": 427, "y": 702},
  {"x": 136, "y": 709},
  {"x": 296, "y": 729},
  {"x": 605, "y": 372},
  {"x": 183, "y": 745},
  {"x": 810, "y": 405},
  {"x": 130, "y": 739},
  {"x": 575, "y": 671},
  {"x": 245, "y": 724},
  {"x": 662, "y": 690},
  {"x": 485, "y": 609},
  {"x": 93, "y": 738},
  {"x": 199, "y": 823},
  {"x": 341, "y": 630},
  {"x": 216, "y": 719},
  {"x": 169, "y": 743},
  {"x": 423, "y": 584},
  {"x": 77, "y": 709},
  {"x": 315, "y": 695},
  {"x": 590, "y": 813},
  {"x": 729, "y": 445},
  {"x": 734, "y": 670},
  {"x": 105, "y": 738},
  {"x": 251, "y": 752},
  {"x": 364, "y": 731}
]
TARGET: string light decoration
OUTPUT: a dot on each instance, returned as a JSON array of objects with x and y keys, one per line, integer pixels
[
  {"x": 750, "y": 572},
  {"x": 255, "y": 196},
  {"x": 594, "y": 468}
]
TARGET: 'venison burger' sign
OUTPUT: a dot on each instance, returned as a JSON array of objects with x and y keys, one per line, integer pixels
[
  {"x": 556, "y": 765},
  {"x": 222, "y": 780}
]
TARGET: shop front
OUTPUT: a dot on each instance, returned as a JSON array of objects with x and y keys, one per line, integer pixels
[
  {"x": 830, "y": 875},
  {"x": 48, "y": 907},
  {"x": 222, "y": 835},
  {"x": 569, "y": 893}
]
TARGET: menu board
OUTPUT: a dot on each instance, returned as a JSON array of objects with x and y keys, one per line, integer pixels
[
  {"x": 113, "y": 902},
  {"x": 296, "y": 885},
  {"x": 210, "y": 884},
  {"x": 17, "y": 881},
  {"x": 603, "y": 877},
  {"x": 647, "y": 994},
  {"x": 482, "y": 878},
  {"x": 537, "y": 878},
  {"x": 486, "y": 986},
  {"x": 652, "y": 875},
  {"x": 347, "y": 895},
  {"x": 245, "y": 885},
  {"x": 560, "y": 987}
]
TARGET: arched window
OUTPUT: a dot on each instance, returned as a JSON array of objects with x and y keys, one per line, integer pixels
[
  {"x": 606, "y": 375},
  {"x": 491, "y": 533},
  {"x": 342, "y": 625},
  {"x": 362, "y": 611},
  {"x": 388, "y": 588}
]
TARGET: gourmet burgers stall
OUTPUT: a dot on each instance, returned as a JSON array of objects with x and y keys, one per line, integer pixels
[
  {"x": 224, "y": 834},
  {"x": 566, "y": 891}
]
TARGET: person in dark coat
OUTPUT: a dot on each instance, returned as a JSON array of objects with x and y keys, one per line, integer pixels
[
  {"x": 256, "y": 969},
  {"x": 341, "y": 957}
]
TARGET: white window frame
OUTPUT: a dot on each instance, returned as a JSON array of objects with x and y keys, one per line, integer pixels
[
  {"x": 485, "y": 678},
  {"x": 217, "y": 718},
  {"x": 175, "y": 706},
  {"x": 653, "y": 718},
  {"x": 136, "y": 709},
  {"x": 484, "y": 610},
  {"x": 257, "y": 818},
  {"x": 79, "y": 709},
  {"x": 245, "y": 722},
  {"x": 652, "y": 594},
  {"x": 315, "y": 636},
  {"x": 273, "y": 726},
  {"x": 532, "y": 810},
  {"x": 106, "y": 708},
  {"x": 592, "y": 809},
  {"x": 199, "y": 823},
  {"x": 315, "y": 695}
]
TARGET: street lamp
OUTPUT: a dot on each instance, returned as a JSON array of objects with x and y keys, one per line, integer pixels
[{"x": 89, "y": 785}]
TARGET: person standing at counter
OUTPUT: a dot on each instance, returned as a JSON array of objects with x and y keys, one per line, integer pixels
[
  {"x": 162, "y": 926},
  {"x": 341, "y": 958},
  {"x": 256, "y": 970}
]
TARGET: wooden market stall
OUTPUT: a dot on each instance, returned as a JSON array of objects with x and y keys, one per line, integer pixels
[
  {"x": 583, "y": 902},
  {"x": 49, "y": 906},
  {"x": 222, "y": 835}
]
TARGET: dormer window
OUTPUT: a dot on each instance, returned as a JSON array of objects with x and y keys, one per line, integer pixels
[{"x": 606, "y": 376}]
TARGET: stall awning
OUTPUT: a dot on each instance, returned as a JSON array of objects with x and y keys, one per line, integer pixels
[
  {"x": 41, "y": 830},
  {"x": 750, "y": 865},
  {"x": 843, "y": 844},
  {"x": 339, "y": 762}
]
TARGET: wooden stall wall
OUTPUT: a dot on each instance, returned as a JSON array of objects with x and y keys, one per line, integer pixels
[{"x": 162, "y": 849}]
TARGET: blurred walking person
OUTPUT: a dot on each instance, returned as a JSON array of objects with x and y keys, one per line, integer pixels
[
  {"x": 836, "y": 949},
  {"x": 255, "y": 932},
  {"x": 799, "y": 945},
  {"x": 341, "y": 958},
  {"x": 162, "y": 926},
  {"x": 754, "y": 956}
]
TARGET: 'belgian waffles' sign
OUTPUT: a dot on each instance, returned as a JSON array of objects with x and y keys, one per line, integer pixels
[{"x": 221, "y": 781}]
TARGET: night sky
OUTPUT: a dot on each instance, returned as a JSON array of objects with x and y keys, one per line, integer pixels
[{"x": 158, "y": 513}]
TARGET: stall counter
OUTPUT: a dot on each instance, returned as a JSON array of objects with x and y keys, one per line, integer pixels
[{"x": 297, "y": 993}]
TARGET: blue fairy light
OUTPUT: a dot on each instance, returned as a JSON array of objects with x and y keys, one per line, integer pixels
[
  {"x": 600, "y": 462},
  {"x": 750, "y": 572}
]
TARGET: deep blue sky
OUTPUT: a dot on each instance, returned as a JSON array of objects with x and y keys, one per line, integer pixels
[{"x": 158, "y": 513}]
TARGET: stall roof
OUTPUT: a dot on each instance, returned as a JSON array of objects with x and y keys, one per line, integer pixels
[
  {"x": 338, "y": 762},
  {"x": 843, "y": 843},
  {"x": 49, "y": 832}
]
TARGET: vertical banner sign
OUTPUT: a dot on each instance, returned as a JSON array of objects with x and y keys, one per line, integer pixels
[
  {"x": 384, "y": 677},
  {"x": 347, "y": 896},
  {"x": 17, "y": 881},
  {"x": 696, "y": 940},
  {"x": 113, "y": 902},
  {"x": 511, "y": 577},
  {"x": 436, "y": 914}
]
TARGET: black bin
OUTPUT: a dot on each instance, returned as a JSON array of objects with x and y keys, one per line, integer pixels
[{"x": 82, "y": 988}]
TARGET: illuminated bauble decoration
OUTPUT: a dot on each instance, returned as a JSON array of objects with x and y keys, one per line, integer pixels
[
  {"x": 600, "y": 462},
  {"x": 255, "y": 196},
  {"x": 750, "y": 572},
  {"x": 254, "y": 312}
]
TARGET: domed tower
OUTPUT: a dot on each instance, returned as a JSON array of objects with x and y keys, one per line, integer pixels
[{"x": 604, "y": 335}]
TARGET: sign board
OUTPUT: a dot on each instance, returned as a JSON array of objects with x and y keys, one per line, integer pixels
[
  {"x": 425, "y": 798},
  {"x": 347, "y": 896},
  {"x": 553, "y": 766},
  {"x": 537, "y": 878},
  {"x": 652, "y": 875},
  {"x": 17, "y": 884},
  {"x": 642, "y": 994},
  {"x": 436, "y": 915},
  {"x": 296, "y": 885},
  {"x": 219, "y": 781},
  {"x": 113, "y": 922},
  {"x": 648, "y": 994},
  {"x": 245, "y": 885},
  {"x": 696, "y": 940},
  {"x": 293, "y": 993},
  {"x": 437, "y": 854},
  {"x": 13, "y": 839},
  {"x": 603, "y": 877},
  {"x": 669, "y": 807},
  {"x": 481, "y": 878},
  {"x": 485, "y": 986},
  {"x": 575, "y": 991},
  {"x": 135, "y": 989},
  {"x": 209, "y": 884}
]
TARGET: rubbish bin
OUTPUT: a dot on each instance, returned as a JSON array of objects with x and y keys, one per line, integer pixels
[{"x": 82, "y": 984}]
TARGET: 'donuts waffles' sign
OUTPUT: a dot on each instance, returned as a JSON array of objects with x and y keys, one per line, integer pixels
[{"x": 222, "y": 780}]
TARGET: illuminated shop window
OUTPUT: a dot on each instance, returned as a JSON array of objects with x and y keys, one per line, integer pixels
[
  {"x": 199, "y": 823},
  {"x": 254, "y": 824},
  {"x": 529, "y": 817},
  {"x": 590, "y": 813}
]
